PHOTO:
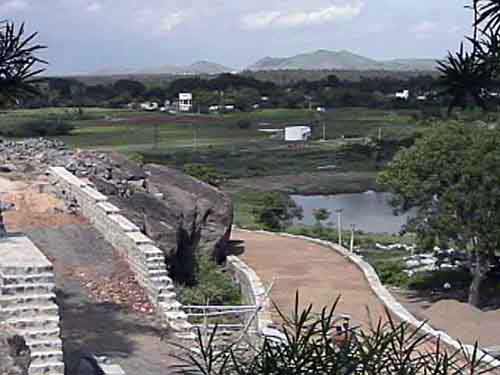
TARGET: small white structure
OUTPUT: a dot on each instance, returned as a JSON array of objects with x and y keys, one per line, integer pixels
[
  {"x": 264, "y": 98},
  {"x": 185, "y": 102},
  {"x": 321, "y": 109},
  {"x": 229, "y": 107},
  {"x": 150, "y": 106},
  {"x": 213, "y": 108},
  {"x": 297, "y": 133},
  {"x": 404, "y": 95}
]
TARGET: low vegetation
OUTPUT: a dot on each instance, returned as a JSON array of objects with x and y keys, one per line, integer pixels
[
  {"x": 213, "y": 286},
  {"x": 311, "y": 345},
  {"x": 35, "y": 128}
]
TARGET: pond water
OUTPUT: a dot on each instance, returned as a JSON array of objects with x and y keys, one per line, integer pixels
[{"x": 370, "y": 211}]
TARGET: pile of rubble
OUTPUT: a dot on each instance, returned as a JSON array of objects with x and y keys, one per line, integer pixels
[
  {"x": 33, "y": 153},
  {"x": 119, "y": 289}
]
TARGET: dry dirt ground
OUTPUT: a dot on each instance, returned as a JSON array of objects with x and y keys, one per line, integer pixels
[
  {"x": 103, "y": 310},
  {"x": 318, "y": 273},
  {"x": 462, "y": 321}
]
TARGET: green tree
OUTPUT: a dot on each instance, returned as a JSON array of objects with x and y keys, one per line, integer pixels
[
  {"x": 466, "y": 75},
  {"x": 18, "y": 62},
  {"x": 275, "y": 211},
  {"x": 452, "y": 176},
  {"x": 321, "y": 215},
  {"x": 17, "y": 71}
]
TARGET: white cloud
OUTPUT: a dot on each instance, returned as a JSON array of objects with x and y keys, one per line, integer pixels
[
  {"x": 171, "y": 21},
  {"x": 94, "y": 7},
  {"x": 280, "y": 19},
  {"x": 424, "y": 29},
  {"x": 11, "y": 6}
]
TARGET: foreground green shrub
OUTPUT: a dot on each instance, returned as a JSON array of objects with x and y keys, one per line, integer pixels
[
  {"x": 392, "y": 273},
  {"x": 435, "y": 280},
  {"x": 310, "y": 346},
  {"x": 213, "y": 286},
  {"x": 43, "y": 128}
]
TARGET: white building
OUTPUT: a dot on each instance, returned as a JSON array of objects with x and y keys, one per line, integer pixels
[
  {"x": 185, "y": 102},
  {"x": 297, "y": 133},
  {"x": 404, "y": 95}
]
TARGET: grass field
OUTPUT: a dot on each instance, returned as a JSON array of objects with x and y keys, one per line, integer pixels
[{"x": 130, "y": 131}]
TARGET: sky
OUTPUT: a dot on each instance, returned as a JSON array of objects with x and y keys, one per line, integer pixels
[{"x": 89, "y": 35}]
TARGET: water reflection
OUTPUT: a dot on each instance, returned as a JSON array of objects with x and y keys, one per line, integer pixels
[{"x": 370, "y": 211}]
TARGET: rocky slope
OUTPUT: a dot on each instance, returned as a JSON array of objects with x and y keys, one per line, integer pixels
[{"x": 184, "y": 216}]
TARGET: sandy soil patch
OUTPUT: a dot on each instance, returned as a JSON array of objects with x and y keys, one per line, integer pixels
[{"x": 318, "y": 273}]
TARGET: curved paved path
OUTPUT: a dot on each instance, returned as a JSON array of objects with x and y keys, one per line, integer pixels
[{"x": 319, "y": 273}]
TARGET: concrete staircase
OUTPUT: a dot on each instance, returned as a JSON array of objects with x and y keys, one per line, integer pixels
[{"x": 27, "y": 304}]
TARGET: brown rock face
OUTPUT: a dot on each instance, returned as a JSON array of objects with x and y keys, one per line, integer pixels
[
  {"x": 14, "y": 354},
  {"x": 183, "y": 215}
]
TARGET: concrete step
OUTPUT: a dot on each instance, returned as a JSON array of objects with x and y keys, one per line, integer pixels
[
  {"x": 161, "y": 280},
  {"x": 45, "y": 322},
  {"x": 176, "y": 316},
  {"x": 42, "y": 278},
  {"x": 6, "y": 271},
  {"x": 156, "y": 261},
  {"x": 185, "y": 335},
  {"x": 153, "y": 273},
  {"x": 51, "y": 368},
  {"x": 181, "y": 327},
  {"x": 47, "y": 345},
  {"x": 27, "y": 289},
  {"x": 26, "y": 311},
  {"x": 170, "y": 306},
  {"x": 46, "y": 356},
  {"x": 40, "y": 333},
  {"x": 26, "y": 300}
]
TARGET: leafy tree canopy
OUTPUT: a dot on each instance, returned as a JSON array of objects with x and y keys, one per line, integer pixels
[{"x": 452, "y": 176}]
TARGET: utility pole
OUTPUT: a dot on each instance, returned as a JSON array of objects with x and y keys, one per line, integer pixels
[
  {"x": 353, "y": 228},
  {"x": 379, "y": 134},
  {"x": 324, "y": 131},
  {"x": 339, "y": 224}
]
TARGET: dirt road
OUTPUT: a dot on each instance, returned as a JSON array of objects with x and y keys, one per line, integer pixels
[{"x": 319, "y": 273}]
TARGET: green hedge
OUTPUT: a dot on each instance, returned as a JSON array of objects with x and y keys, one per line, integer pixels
[{"x": 36, "y": 128}]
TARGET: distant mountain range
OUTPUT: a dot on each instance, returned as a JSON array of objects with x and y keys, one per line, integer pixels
[
  {"x": 318, "y": 60},
  {"x": 199, "y": 67},
  {"x": 340, "y": 60}
]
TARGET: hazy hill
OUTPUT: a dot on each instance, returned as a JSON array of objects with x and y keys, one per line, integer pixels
[
  {"x": 200, "y": 67},
  {"x": 339, "y": 60}
]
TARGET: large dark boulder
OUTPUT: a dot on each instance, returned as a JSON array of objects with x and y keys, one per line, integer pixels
[
  {"x": 185, "y": 217},
  {"x": 14, "y": 354}
]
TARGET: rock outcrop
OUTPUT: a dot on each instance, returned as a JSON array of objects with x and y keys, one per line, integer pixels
[
  {"x": 14, "y": 354},
  {"x": 183, "y": 215}
]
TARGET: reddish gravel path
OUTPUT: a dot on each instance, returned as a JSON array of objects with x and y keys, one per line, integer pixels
[{"x": 319, "y": 273}]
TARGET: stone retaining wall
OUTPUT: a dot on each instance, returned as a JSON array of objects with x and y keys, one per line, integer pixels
[
  {"x": 252, "y": 290},
  {"x": 388, "y": 300},
  {"x": 145, "y": 259}
]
